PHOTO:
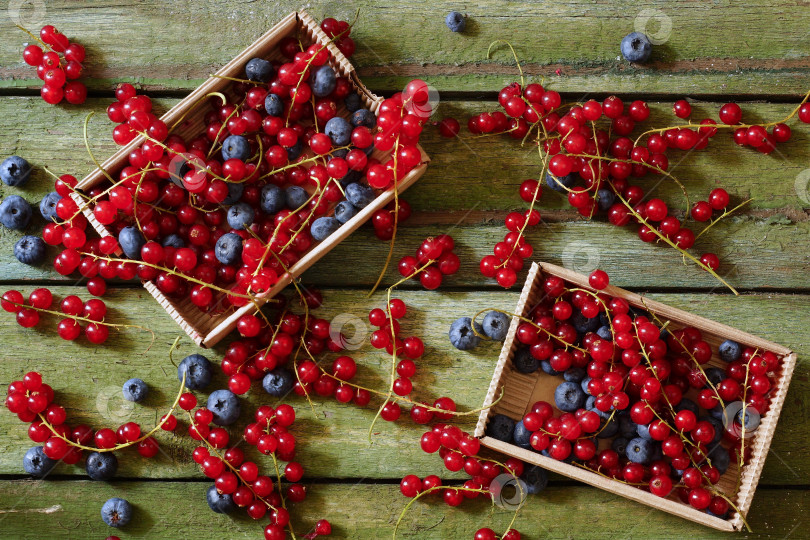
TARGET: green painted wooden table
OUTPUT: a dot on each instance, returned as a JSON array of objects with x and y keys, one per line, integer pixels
[{"x": 756, "y": 52}]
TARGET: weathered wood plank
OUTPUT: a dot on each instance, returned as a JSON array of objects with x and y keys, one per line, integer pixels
[
  {"x": 148, "y": 43},
  {"x": 333, "y": 438},
  {"x": 488, "y": 169},
  {"x": 755, "y": 254},
  {"x": 73, "y": 512}
]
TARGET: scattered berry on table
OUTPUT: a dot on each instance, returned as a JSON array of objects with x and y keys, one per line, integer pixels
[
  {"x": 496, "y": 325},
  {"x": 462, "y": 336},
  {"x": 636, "y": 47},
  {"x": 101, "y": 465},
  {"x": 15, "y": 171},
  {"x": 135, "y": 390},
  {"x": 15, "y": 212},
  {"x": 455, "y": 21},
  {"x": 30, "y": 250},
  {"x": 225, "y": 406},
  {"x": 198, "y": 371},
  {"x": 36, "y": 463},
  {"x": 116, "y": 512}
]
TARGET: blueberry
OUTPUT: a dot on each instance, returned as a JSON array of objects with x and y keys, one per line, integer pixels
[
  {"x": 173, "y": 240},
  {"x": 720, "y": 458},
  {"x": 636, "y": 47},
  {"x": 273, "y": 199},
  {"x": 221, "y": 503},
  {"x": 296, "y": 197},
  {"x": 235, "y": 190},
  {"x": 626, "y": 426},
  {"x": 15, "y": 171},
  {"x": 341, "y": 153},
  {"x": 619, "y": 445},
  {"x": 47, "y": 206},
  {"x": 569, "y": 396},
  {"x": 15, "y": 212},
  {"x": 364, "y": 117},
  {"x": 687, "y": 404},
  {"x": 240, "y": 216},
  {"x": 259, "y": 70},
  {"x": 278, "y": 382},
  {"x": 235, "y": 147},
  {"x": 554, "y": 182},
  {"x": 322, "y": 81},
  {"x": 344, "y": 211},
  {"x": 536, "y": 479},
  {"x": 751, "y": 419},
  {"x": 323, "y": 227},
  {"x": 608, "y": 428},
  {"x": 462, "y": 336},
  {"x": 274, "y": 105},
  {"x": 501, "y": 427},
  {"x": 718, "y": 413},
  {"x": 643, "y": 431},
  {"x": 455, "y": 21},
  {"x": 639, "y": 450},
  {"x": 583, "y": 325},
  {"x": 589, "y": 404},
  {"x": 131, "y": 241},
  {"x": 198, "y": 371},
  {"x": 360, "y": 195},
  {"x": 353, "y": 102},
  {"x": 729, "y": 351},
  {"x": 135, "y": 390},
  {"x": 545, "y": 365},
  {"x": 36, "y": 463},
  {"x": 101, "y": 465},
  {"x": 606, "y": 198},
  {"x": 584, "y": 385},
  {"x": 225, "y": 406},
  {"x": 496, "y": 325},
  {"x": 116, "y": 512},
  {"x": 30, "y": 250},
  {"x": 521, "y": 436},
  {"x": 574, "y": 374},
  {"x": 339, "y": 130},
  {"x": 604, "y": 333},
  {"x": 295, "y": 150},
  {"x": 228, "y": 249},
  {"x": 714, "y": 375}
]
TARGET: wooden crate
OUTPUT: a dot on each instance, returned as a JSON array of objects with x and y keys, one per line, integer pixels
[
  {"x": 208, "y": 329},
  {"x": 521, "y": 391}
]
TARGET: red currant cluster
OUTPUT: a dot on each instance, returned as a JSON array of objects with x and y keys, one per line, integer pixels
[
  {"x": 509, "y": 255},
  {"x": 40, "y": 301},
  {"x": 133, "y": 114},
  {"x": 269, "y": 345},
  {"x": 33, "y": 402},
  {"x": 459, "y": 452},
  {"x": 410, "y": 347},
  {"x": 339, "y": 31},
  {"x": 573, "y": 148},
  {"x": 240, "y": 479},
  {"x": 383, "y": 220},
  {"x": 58, "y": 73},
  {"x": 434, "y": 260},
  {"x": 638, "y": 378}
]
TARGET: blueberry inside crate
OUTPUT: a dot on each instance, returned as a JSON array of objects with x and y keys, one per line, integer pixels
[
  {"x": 204, "y": 327},
  {"x": 519, "y": 391}
]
